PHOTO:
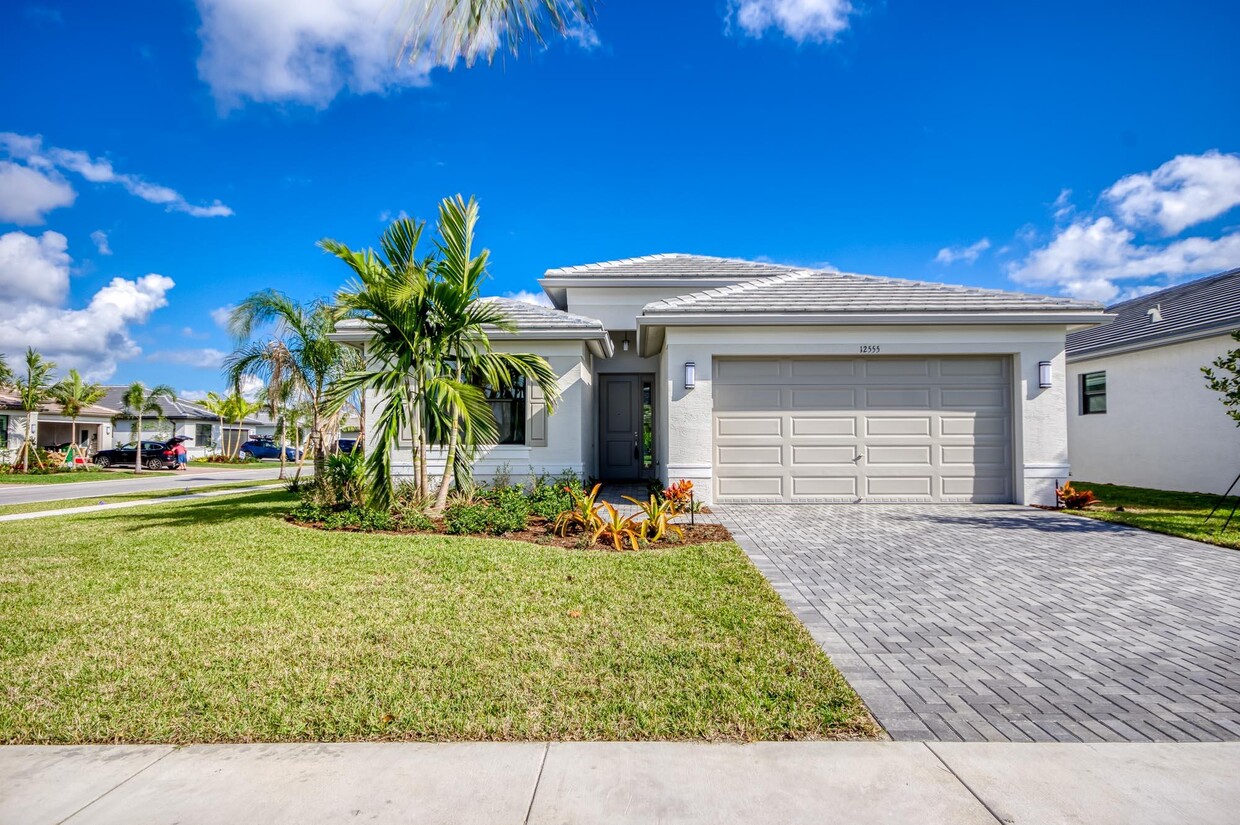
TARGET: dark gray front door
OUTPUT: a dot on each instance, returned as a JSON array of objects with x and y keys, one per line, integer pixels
[{"x": 620, "y": 427}]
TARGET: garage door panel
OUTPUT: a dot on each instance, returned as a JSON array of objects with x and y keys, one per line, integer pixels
[
  {"x": 824, "y": 425},
  {"x": 906, "y": 455},
  {"x": 824, "y": 456},
  {"x": 823, "y": 369},
  {"x": 897, "y": 367},
  {"x": 901, "y": 426},
  {"x": 897, "y": 398},
  {"x": 750, "y": 426},
  {"x": 751, "y": 456},
  {"x": 765, "y": 487},
  {"x": 974, "y": 398},
  {"x": 973, "y": 425},
  {"x": 926, "y": 429},
  {"x": 823, "y": 399},
  {"x": 901, "y": 486},
  {"x": 747, "y": 398},
  {"x": 843, "y": 488}
]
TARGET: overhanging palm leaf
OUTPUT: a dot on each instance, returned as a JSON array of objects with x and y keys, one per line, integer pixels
[{"x": 452, "y": 29}]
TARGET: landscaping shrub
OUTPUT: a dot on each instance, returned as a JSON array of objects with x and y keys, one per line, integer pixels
[
  {"x": 506, "y": 516},
  {"x": 1074, "y": 499},
  {"x": 549, "y": 498},
  {"x": 358, "y": 518}
]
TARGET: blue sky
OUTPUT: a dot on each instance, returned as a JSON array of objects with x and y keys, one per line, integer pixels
[{"x": 1071, "y": 148}]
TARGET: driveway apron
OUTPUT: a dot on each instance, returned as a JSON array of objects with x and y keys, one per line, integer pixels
[{"x": 1005, "y": 623}]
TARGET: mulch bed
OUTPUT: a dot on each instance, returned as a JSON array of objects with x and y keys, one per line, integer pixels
[{"x": 538, "y": 531}]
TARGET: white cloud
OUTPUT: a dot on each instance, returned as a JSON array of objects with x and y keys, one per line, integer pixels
[
  {"x": 527, "y": 297},
  {"x": 91, "y": 339},
  {"x": 1183, "y": 192},
  {"x": 34, "y": 269},
  {"x": 968, "y": 254},
  {"x": 30, "y": 150},
  {"x": 203, "y": 358},
  {"x": 817, "y": 21},
  {"x": 27, "y": 195},
  {"x": 100, "y": 239},
  {"x": 220, "y": 315},
  {"x": 584, "y": 35},
  {"x": 1103, "y": 257},
  {"x": 1086, "y": 258},
  {"x": 271, "y": 51}
]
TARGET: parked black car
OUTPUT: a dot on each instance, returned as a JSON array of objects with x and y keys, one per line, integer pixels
[
  {"x": 346, "y": 445},
  {"x": 156, "y": 455}
]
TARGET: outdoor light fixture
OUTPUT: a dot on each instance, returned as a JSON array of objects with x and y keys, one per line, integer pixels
[
  {"x": 1044, "y": 374},
  {"x": 690, "y": 375},
  {"x": 626, "y": 342}
]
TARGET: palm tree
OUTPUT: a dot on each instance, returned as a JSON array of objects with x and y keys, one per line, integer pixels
[
  {"x": 430, "y": 354},
  {"x": 451, "y": 29},
  {"x": 273, "y": 362},
  {"x": 33, "y": 389},
  {"x": 312, "y": 362},
  {"x": 138, "y": 402},
  {"x": 214, "y": 403},
  {"x": 6, "y": 372},
  {"x": 237, "y": 407},
  {"x": 73, "y": 394}
]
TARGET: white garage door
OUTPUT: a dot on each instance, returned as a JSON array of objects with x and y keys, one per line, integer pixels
[{"x": 871, "y": 429}]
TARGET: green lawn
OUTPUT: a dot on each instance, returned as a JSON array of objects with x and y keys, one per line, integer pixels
[
  {"x": 65, "y": 504},
  {"x": 1178, "y": 514},
  {"x": 214, "y": 621}
]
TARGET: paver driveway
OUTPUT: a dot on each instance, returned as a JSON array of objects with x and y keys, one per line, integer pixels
[{"x": 1010, "y": 623}]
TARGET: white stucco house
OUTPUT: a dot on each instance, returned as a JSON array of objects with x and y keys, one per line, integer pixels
[
  {"x": 50, "y": 427},
  {"x": 768, "y": 383},
  {"x": 1139, "y": 410},
  {"x": 181, "y": 418}
]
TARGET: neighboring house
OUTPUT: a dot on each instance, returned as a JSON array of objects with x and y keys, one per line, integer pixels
[
  {"x": 183, "y": 418},
  {"x": 767, "y": 383},
  {"x": 1139, "y": 409},
  {"x": 51, "y": 427}
]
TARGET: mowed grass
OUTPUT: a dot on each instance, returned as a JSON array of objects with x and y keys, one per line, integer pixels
[
  {"x": 215, "y": 621},
  {"x": 1163, "y": 511},
  {"x": 68, "y": 503}
]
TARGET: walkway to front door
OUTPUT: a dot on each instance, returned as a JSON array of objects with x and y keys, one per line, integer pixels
[{"x": 994, "y": 622}]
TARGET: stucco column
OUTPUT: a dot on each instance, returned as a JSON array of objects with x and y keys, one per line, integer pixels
[
  {"x": 1042, "y": 435},
  {"x": 689, "y": 418}
]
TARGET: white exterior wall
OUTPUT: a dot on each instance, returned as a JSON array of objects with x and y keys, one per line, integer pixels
[
  {"x": 568, "y": 440},
  {"x": 1163, "y": 428},
  {"x": 1040, "y": 441}
]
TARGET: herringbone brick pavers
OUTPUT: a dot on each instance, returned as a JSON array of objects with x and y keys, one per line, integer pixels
[{"x": 1009, "y": 623}]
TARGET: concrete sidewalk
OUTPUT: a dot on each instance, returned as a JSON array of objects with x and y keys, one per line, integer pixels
[
  {"x": 138, "y": 502},
  {"x": 641, "y": 782}
]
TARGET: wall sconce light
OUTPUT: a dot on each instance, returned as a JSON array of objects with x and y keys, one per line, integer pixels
[
  {"x": 690, "y": 375},
  {"x": 626, "y": 342},
  {"x": 1044, "y": 374}
]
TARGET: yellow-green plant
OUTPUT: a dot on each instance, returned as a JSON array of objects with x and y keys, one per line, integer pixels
[
  {"x": 583, "y": 514},
  {"x": 658, "y": 521},
  {"x": 617, "y": 529}
]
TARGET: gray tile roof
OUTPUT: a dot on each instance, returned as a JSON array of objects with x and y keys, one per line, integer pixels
[
  {"x": 175, "y": 409},
  {"x": 526, "y": 316},
  {"x": 813, "y": 291},
  {"x": 674, "y": 265},
  {"x": 1207, "y": 305}
]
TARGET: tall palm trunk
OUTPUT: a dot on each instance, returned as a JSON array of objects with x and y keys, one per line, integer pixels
[
  {"x": 137, "y": 459},
  {"x": 283, "y": 441},
  {"x": 26, "y": 447},
  {"x": 449, "y": 467}
]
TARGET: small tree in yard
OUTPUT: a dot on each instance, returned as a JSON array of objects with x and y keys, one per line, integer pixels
[
  {"x": 1223, "y": 376},
  {"x": 33, "y": 388},
  {"x": 139, "y": 402},
  {"x": 73, "y": 394}
]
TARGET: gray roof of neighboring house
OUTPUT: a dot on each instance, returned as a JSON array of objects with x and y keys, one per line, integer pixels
[
  {"x": 813, "y": 291},
  {"x": 173, "y": 408},
  {"x": 1207, "y": 306},
  {"x": 8, "y": 401},
  {"x": 673, "y": 265}
]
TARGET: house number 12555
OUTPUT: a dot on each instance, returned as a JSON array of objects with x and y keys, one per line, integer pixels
[{"x": 869, "y": 349}]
